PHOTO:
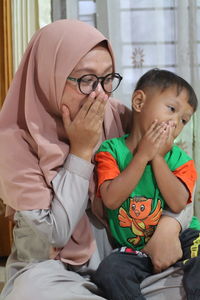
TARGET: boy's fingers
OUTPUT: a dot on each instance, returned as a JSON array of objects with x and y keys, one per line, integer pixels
[
  {"x": 158, "y": 131},
  {"x": 153, "y": 125}
]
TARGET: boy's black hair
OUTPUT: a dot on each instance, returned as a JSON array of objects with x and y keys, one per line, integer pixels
[{"x": 164, "y": 79}]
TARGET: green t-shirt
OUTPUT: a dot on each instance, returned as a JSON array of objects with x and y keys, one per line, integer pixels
[{"x": 133, "y": 223}]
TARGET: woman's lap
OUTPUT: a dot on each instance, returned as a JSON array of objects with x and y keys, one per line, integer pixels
[
  {"x": 164, "y": 286},
  {"x": 50, "y": 280}
]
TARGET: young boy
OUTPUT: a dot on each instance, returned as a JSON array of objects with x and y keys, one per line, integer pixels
[{"x": 141, "y": 173}]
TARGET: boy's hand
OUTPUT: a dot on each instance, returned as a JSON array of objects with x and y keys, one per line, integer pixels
[
  {"x": 84, "y": 131},
  {"x": 169, "y": 139},
  {"x": 152, "y": 140}
]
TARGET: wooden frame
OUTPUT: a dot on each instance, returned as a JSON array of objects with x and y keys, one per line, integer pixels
[
  {"x": 6, "y": 74},
  {"x": 6, "y": 63}
]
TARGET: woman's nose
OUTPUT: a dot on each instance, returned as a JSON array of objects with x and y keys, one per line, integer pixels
[{"x": 99, "y": 86}]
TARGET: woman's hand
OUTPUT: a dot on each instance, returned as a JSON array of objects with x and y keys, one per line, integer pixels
[
  {"x": 85, "y": 129},
  {"x": 164, "y": 247}
]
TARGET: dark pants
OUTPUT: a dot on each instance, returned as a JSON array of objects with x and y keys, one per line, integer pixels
[
  {"x": 190, "y": 242},
  {"x": 119, "y": 275}
]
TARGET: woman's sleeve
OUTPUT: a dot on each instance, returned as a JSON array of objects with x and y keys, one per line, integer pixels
[
  {"x": 184, "y": 217},
  {"x": 69, "y": 203}
]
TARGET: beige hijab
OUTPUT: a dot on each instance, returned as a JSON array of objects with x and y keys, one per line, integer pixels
[{"x": 32, "y": 138}]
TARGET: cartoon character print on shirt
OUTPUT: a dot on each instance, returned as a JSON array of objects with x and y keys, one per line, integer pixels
[{"x": 140, "y": 219}]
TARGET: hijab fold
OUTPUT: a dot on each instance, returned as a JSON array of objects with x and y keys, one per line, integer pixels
[{"x": 32, "y": 137}]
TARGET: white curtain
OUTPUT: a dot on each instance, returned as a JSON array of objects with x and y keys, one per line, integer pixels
[{"x": 27, "y": 17}]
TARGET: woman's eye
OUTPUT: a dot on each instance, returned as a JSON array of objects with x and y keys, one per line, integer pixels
[
  {"x": 87, "y": 80},
  {"x": 108, "y": 80}
]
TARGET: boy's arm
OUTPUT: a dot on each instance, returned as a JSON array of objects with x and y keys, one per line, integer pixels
[
  {"x": 172, "y": 189},
  {"x": 164, "y": 247},
  {"x": 114, "y": 192},
  {"x": 175, "y": 189}
]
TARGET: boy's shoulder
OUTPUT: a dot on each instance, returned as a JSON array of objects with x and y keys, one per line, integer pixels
[
  {"x": 177, "y": 157},
  {"x": 112, "y": 144},
  {"x": 176, "y": 150}
]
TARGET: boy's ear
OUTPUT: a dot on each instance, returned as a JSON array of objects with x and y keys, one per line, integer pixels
[{"x": 138, "y": 100}]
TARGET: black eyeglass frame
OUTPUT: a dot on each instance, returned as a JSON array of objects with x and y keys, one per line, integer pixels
[{"x": 100, "y": 79}]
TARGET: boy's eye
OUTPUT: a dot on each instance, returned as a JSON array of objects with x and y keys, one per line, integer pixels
[
  {"x": 171, "y": 108},
  {"x": 184, "y": 121}
]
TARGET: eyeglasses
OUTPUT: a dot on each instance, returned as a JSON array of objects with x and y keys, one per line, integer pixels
[{"x": 88, "y": 83}]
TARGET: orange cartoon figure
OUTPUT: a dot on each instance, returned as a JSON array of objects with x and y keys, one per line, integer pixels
[{"x": 139, "y": 219}]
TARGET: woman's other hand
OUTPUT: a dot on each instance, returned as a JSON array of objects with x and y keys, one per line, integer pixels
[
  {"x": 164, "y": 247},
  {"x": 85, "y": 129}
]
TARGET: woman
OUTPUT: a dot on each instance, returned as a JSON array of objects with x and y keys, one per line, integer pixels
[{"x": 53, "y": 119}]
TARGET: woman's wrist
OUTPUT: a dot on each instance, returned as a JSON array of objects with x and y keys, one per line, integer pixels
[{"x": 85, "y": 154}]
